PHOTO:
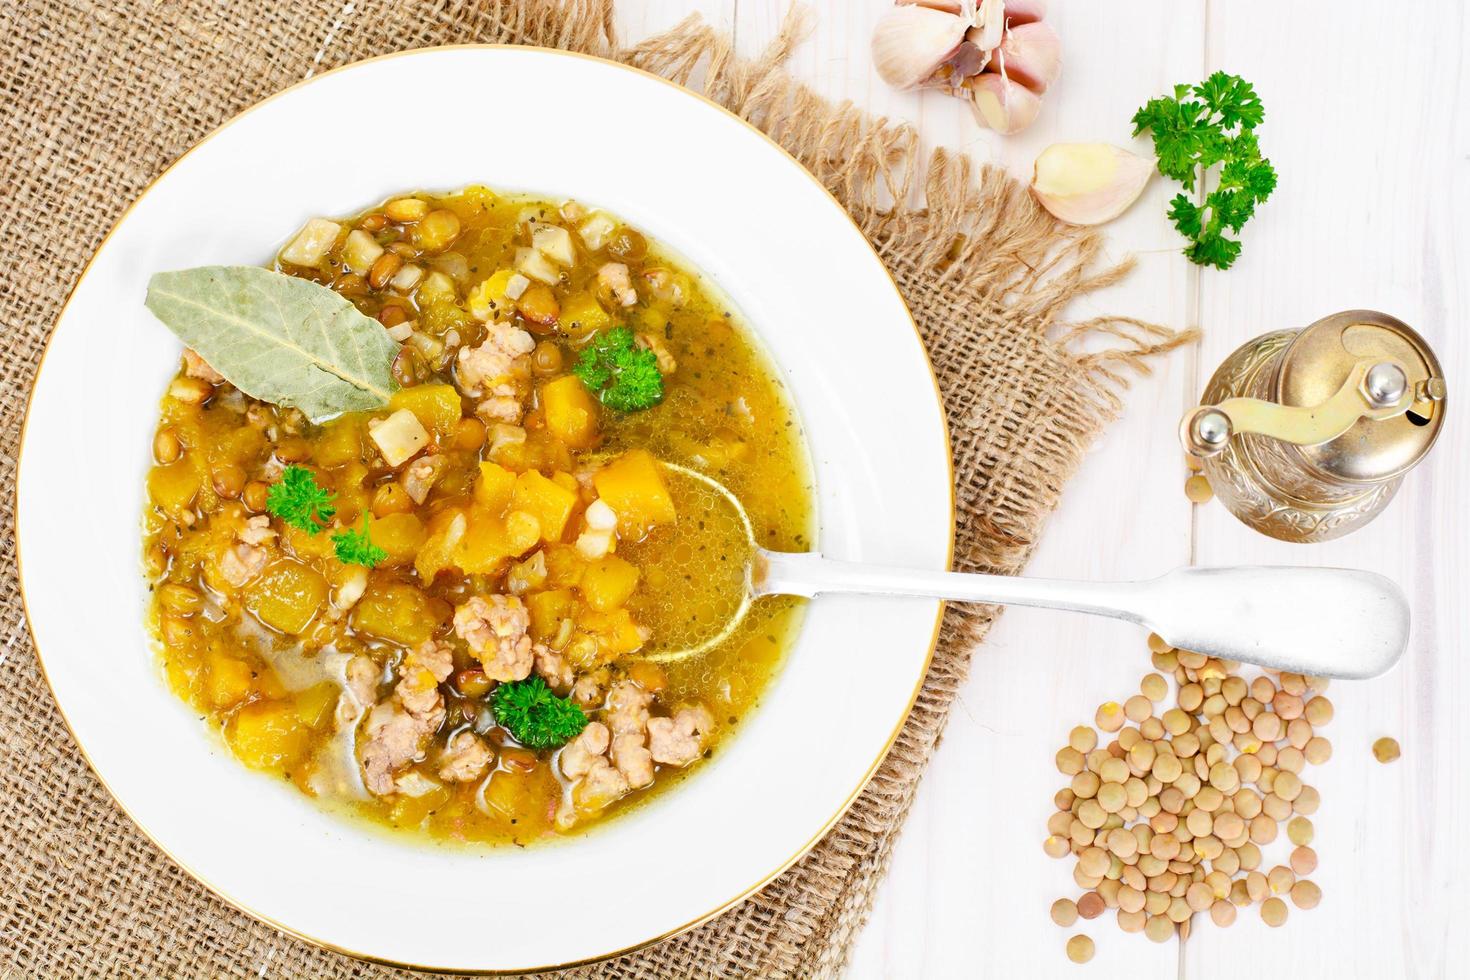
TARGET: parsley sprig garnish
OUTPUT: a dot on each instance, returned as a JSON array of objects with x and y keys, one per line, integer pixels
[
  {"x": 355, "y": 547},
  {"x": 618, "y": 371},
  {"x": 297, "y": 499},
  {"x": 300, "y": 501},
  {"x": 1191, "y": 135},
  {"x": 534, "y": 715}
]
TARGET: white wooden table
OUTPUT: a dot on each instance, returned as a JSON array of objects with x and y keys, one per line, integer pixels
[{"x": 1368, "y": 124}]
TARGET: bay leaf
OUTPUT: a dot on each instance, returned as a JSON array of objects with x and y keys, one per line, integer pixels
[{"x": 277, "y": 338}]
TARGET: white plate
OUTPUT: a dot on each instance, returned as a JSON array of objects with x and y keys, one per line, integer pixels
[{"x": 689, "y": 174}]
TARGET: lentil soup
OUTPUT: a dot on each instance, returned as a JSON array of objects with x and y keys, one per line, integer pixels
[{"x": 433, "y": 614}]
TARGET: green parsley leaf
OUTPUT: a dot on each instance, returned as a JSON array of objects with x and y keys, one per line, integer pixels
[
  {"x": 1192, "y": 136},
  {"x": 1231, "y": 208},
  {"x": 1216, "y": 250},
  {"x": 622, "y": 374},
  {"x": 355, "y": 547},
  {"x": 1259, "y": 179},
  {"x": 297, "y": 499},
  {"x": 534, "y": 715},
  {"x": 1234, "y": 99},
  {"x": 1186, "y": 217}
]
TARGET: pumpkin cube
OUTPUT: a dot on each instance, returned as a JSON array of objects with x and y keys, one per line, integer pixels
[
  {"x": 401, "y": 535},
  {"x": 564, "y": 566},
  {"x": 483, "y": 549},
  {"x": 437, "y": 407},
  {"x": 185, "y": 671},
  {"x": 267, "y": 734},
  {"x": 228, "y": 681},
  {"x": 572, "y": 414},
  {"x": 548, "y": 609},
  {"x": 446, "y": 529},
  {"x": 412, "y": 809},
  {"x": 304, "y": 544},
  {"x": 339, "y": 443},
  {"x": 582, "y": 315},
  {"x": 239, "y": 445},
  {"x": 633, "y": 486},
  {"x": 490, "y": 540},
  {"x": 287, "y": 596},
  {"x": 608, "y": 583},
  {"x": 615, "y": 631},
  {"x": 493, "y": 488},
  {"x": 522, "y": 531},
  {"x": 551, "y": 503},
  {"x": 174, "y": 487},
  {"x": 315, "y": 704},
  {"x": 397, "y": 612}
]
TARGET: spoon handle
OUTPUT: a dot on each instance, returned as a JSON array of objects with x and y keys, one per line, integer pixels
[{"x": 1333, "y": 622}]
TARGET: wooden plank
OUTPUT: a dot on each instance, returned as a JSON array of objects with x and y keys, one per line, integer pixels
[
  {"x": 1370, "y": 212},
  {"x": 969, "y": 884},
  {"x": 637, "y": 19}
]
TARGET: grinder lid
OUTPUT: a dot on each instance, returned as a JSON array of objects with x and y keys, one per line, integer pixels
[{"x": 1318, "y": 361}]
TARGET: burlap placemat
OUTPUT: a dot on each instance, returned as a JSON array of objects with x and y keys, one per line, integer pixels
[{"x": 99, "y": 98}]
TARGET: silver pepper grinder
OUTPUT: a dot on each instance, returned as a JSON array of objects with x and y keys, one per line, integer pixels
[{"x": 1307, "y": 434}]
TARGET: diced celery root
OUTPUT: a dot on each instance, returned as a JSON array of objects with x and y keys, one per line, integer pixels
[
  {"x": 554, "y": 242},
  {"x": 516, "y": 286},
  {"x": 399, "y": 436},
  {"x": 436, "y": 287},
  {"x": 535, "y": 265},
  {"x": 361, "y": 251},
  {"x": 312, "y": 242},
  {"x": 407, "y": 278},
  {"x": 596, "y": 230}
]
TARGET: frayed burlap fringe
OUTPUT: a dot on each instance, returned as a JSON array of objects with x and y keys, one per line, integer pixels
[{"x": 100, "y": 97}]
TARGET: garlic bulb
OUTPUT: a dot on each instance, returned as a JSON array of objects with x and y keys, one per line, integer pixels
[
  {"x": 1089, "y": 183},
  {"x": 997, "y": 53}
]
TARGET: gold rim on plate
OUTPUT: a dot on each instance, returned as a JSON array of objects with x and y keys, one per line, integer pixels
[{"x": 693, "y": 923}]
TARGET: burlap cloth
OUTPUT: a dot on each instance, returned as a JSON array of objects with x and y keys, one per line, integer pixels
[{"x": 99, "y": 98}]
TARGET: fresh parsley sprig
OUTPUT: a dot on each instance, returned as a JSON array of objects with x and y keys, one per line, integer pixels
[
  {"x": 1191, "y": 135},
  {"x": 297, "y": 499},
  {"x": 534, "y": 715},
  {"x": 355, "y": 547},
  {"x": 619, "y": 372}
]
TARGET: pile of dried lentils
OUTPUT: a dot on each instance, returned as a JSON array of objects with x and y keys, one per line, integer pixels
[{"x": 1169, "y": 817}]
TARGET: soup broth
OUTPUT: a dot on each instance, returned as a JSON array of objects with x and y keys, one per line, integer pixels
[{"x": 502, "y": 537}]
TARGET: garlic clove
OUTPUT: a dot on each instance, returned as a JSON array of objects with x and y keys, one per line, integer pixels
[
  {"x": 990, "y": 25},
  {"x": 1030, "y": 54},
  {"x": 911, "y": 42},
  {"x": 967, "y": 60},
  {"x": 1020, "y": 12},
  {"x": 1089, "y": 183},
  {"x": 1002, "y": 104}
]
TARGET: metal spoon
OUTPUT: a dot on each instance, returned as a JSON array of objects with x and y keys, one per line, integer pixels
[{"x": 1333, "y": 622}]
